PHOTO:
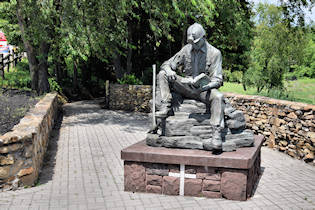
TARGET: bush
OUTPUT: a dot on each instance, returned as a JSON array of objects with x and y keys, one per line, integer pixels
[
  {"x": 300, "y": 72},
  {"x": 54, "y": 86},
  {"x": 235, "y": 76},
  {"x": 129, "y": 79}
]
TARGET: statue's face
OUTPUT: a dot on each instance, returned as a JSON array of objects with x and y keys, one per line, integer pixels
[{"x": 198, "y": 45}]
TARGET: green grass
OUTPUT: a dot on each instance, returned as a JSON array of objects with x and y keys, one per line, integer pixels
[{"x": 301, "y": 90}]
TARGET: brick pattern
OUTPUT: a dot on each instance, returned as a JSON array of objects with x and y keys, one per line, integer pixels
[
  {"x": 210, "y": 182},
  {"x": 22, "y": 150}
]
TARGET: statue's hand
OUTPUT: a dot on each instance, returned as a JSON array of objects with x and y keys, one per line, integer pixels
[
  {"x": 207, "y": 87},
  {"x": 171, "y": 75}
]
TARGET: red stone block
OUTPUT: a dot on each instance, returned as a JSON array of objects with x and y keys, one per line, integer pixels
[
  {"x": 211, "y": 185},
  {"x": 193, "y": 187},
  {"x": 210, "y": 194},
  {"x": 154, "y": 180},
  {"x": 170, "y": 185},
  {"x": 134, "y": 177},
  {"x": 233, "y": 185},
  {"x": 153, "y": 189},
  {"x": 209, "y": 175}
]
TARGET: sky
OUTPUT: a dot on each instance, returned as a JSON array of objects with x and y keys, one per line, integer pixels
[{"x": 309, "y": 16}]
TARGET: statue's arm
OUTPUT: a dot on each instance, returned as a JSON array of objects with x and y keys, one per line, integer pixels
[
  {"x": 170, "y": 66},
  {"x": 215, "y": 71}
]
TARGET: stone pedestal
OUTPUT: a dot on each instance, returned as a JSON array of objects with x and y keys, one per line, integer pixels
[{"x": 231, "y": 175}]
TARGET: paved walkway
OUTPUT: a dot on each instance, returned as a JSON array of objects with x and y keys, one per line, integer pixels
[{"x": 84, "y": 171}]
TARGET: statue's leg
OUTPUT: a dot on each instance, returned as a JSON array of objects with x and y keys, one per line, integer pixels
[
  {"x": 165, "y": 94},
  {"x": 215, "y": 99},
  {"x": 164, "y": 87}
]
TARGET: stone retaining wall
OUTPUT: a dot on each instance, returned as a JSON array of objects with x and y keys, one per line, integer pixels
[
  {"x": 130, "y": 97},
  {"x": 287, "y": 126},
  {"x": 22, "y": 150}
]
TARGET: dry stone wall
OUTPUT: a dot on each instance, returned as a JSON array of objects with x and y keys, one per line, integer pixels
[
  {"x": 130, "y": 97},
  {"x": 287, "y": 126},
  {"x": 22, "y": 150}
]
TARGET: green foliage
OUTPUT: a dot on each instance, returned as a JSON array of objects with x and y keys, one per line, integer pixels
[
  {"x": 18, "y": 77},
  {"x": 129, "y": 79},
  {"x": 54, "y": 86},
  {"x": 276, "y": 47},
  {"x": 235, "y": 76}
]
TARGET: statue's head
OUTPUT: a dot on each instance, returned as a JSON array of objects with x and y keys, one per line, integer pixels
[{"x": 195, "y": 35}]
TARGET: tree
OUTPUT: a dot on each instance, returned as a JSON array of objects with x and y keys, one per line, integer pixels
[
  {"x": 84, "y": 41},
  {"x": 275, "y": 48}
]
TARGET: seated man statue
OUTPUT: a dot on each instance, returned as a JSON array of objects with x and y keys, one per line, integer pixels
[{"x": 196, "y": 58}]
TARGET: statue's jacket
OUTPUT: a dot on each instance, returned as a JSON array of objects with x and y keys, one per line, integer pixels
[{"x": 209, "y": 62}]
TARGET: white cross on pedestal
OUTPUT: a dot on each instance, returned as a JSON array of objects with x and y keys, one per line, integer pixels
[{"x": 182, "y": 177}]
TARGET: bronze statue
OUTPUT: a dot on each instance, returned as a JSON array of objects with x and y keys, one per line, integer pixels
[{"x": 201, "y": 65}]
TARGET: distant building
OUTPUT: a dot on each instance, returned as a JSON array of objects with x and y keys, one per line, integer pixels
[{"x": 4, "y": 47}]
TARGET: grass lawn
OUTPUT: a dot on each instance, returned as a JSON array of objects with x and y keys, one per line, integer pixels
[{"x": 302, "y": 90}]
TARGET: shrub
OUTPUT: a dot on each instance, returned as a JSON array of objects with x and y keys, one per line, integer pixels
[
  {"x": 234, "y": 76},
  {"x": 54, "y": 86}
]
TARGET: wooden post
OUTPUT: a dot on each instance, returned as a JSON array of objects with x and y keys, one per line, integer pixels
[
  {"x": 2, "y": 66},
  {"x": 107, "y": 94},
  {"x": 11, "y": 59},
  {"x": 153, "y": 94},
  {"x": 7, "y": 63},
  {"x": 15, "y": 57}
]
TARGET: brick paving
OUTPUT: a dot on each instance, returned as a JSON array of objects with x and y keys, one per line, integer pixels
[{"x": 83, "y": 170}]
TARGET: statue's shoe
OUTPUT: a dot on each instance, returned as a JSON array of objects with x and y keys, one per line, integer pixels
[
  {"x": 217, "y": 144},
  {"x": 208, "y": 145}
]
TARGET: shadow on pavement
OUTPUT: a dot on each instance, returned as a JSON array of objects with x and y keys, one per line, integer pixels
[
  {"x": 47, "y": 170},
  {"x": 262, "y": 169},
  {"x": 90, "y": 113}
]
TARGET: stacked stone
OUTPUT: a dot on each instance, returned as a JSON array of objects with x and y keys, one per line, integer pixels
[
  {"x": 288, "y": 126},
  {"x": 22, "y": 150},
  {"x": 209, "y": 182},
  {"x": 130, "y": 97},
  {"x": 190, "y": 128}
]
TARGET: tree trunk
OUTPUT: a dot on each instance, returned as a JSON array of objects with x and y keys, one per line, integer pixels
[
  {"x": 31, "y": 54},
  {"x": 184, "y": 35},
  {"x": 119, "y": 72},
  {"x": 129, "y": 54},
  {"x": 75, "y": 75},
  {"x": 43, "y": 84}
]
